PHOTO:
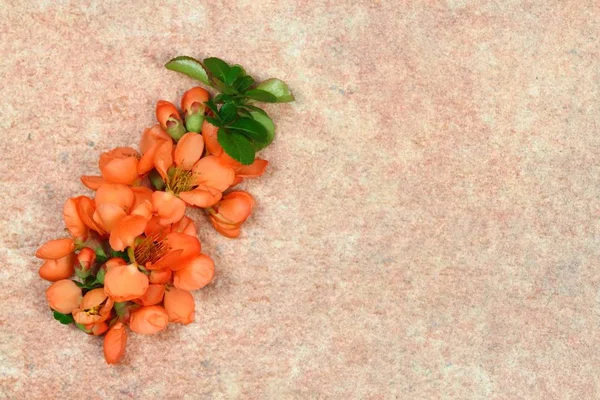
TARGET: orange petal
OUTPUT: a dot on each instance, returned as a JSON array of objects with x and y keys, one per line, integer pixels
[
  {"x": 148, "y": 320},
  {"x": 211, "y": 171},
  {"x": 64, "y": 296},
  {"x": 151, "y": 136},
  {"x": 114, "y": 343},
  {"x": 153, "y": 295},
  {"x": 115, "y": 193},
  {"x": 55, "y": 270},
  {"x": 189, "y": 149},
  {"x": 86, "y": 208},
  {"x": 202, "y": 196},
  {"x": 227, "y": 230},
  {"x": 254, "y": 170},
  {"x": 108, "y": 216},
  {"x": 190, "y": 246},
  {"x": 209, "y": 134},
  {"x": 179, "y": 305},
  {"x": 147, "y": 161},
  {"x": 197, "y": 274},
  {"x": 163, "y": 159},
  {"x": 140, "y": 195},
  {"x": 99, "y": 328},
  {"x": 92, "y": 182},
  {"x": 144, "y": 210},
  {"x": 73, "y": 221},
  {"x": 169, "y": 207},
  {"x": 166, "y": 261},
  {"x": 125, "y": 282},
  {"x": 235, "y": 207},
  {"x": 160, "y": 276},
  {"x": 119, "y": 165},
  {"x": 185, "y": 225},
  {"x": 55, "y": 249},
  {"x": 124, "y": 234}
]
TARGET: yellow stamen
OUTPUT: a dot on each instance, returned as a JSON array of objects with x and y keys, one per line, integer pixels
[
  {"x": 151, "y": 249},
  {"x": 181, "y": 180}
]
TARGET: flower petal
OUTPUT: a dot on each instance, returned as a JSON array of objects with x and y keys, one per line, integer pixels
[
  {"x": 188, "y": 151},
  {"x": 55, "y": 249}
]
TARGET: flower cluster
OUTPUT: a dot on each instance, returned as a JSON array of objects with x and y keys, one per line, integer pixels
[{"x": 134, "y": 253}]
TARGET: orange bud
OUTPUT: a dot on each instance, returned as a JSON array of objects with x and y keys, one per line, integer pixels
[
  {"x": 55, "y": 270},
  {"x": 153, "y": 295},
  {"x": 192, "y": 104},
  {"x": 119, "y": 165},
  {"x": 148, "y": 320},
  {"x": 169, "y": 119},
  {"x": 196, "y": 274},
  {"x": 85, "y": 262},
  {"x": 125, "y": 282},
  {"x": 55, "y": 249},
  {"x": 231, "y": 212},
  {"x": 179, "y": 305},
  {"x": 160, "y": 276},
  {"x": 64, "y": 296},
  {"x": 114, "y": 343}
]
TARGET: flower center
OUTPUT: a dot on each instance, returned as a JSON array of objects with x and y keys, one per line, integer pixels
[
  {"x": 150, "y": 249},
  {"x": 181, "y": 180}
]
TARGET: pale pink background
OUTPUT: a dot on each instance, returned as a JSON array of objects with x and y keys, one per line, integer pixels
[{"x": 427, "y": 228}]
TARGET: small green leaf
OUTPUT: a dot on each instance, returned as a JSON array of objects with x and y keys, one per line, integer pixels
[
  {"x": 261, "y": 95},
  {"x": 229, "y": 90},
  {"x": 228, "y": 112},
  {"x": 64, "y": 319},
  {"x": 251, "y": 128},
  {"x": 277, "y": 88},
  {"x": 217, "y": 67},
  {"x": 212, "y": 107},
  {"x": 190, "y": 67},
  {"x": 214, "y": 121},
  {"x": 234, "y": 72},
  {"x": 255, "y": 109},
  {"x": 243, "y": 83},
  {"x": 100, "y": 276},
  {"x": 237, "y": 146},
  {"x": 262, "y": 118}
]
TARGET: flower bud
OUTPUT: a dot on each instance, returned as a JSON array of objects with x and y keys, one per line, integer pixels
[
  {"x": 64, "y": 296},
  {"x": 85, "y": 262},
  {"x": 192, "y": 104},
  {"x": 179, "y": 305},
  {"x": 148, "y": 320},
  {"x": 169, "y": 119},
  {"x": 231, "y": 212},
  {"x": 114, "y": 343}
]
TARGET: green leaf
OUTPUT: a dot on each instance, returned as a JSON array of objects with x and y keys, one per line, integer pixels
[
  {"x": 100, "y": 275},
  {"x": 190, "y": 67},
  {"x": 262, "y": 118},
  {"x": 277, "y": 88},
  {"x": 120, "y": 254},
  {"x": 234, "y": 72},
  {"x": 217, "y": 67},
  {"x": 251, "y": 128},
  {"x": 244, "y": 83},
  {"x": 228, "y": 112},
  {"x": 64, "y": 319},
  {"x": 237, "y": 146},
  {"x": 229, "y": 90},
  {"x": 255, "y": 109},
  {"x": 261, "y": 95},
  {"x": 212, "y": 107},
  {"x": 214, "y": 121}
]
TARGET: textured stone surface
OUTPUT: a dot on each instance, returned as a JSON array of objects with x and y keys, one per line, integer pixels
[{"x": 427, "y": 228}]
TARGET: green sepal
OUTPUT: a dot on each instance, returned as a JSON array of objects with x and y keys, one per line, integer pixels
[
  {"x": 156, "y": 180},
  {"x": 64, "y": 319},
  {"x": 193, "y": 122}
]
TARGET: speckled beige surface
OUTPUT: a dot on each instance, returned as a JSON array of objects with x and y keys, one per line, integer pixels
[{"x": 427, "y": 228}]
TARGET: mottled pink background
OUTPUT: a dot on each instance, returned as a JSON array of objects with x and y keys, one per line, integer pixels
[{"x": 427, "y": 228}]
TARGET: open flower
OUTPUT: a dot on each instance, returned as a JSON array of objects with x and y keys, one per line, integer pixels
[
  {"x": 179, "y": 305},
  {"x": 231, "y": 212},
  {"x": 94, "y": 308},
  {"x": 114, "y": 343},
  {"x": 64, "y": 296},
  {"x": 148, "y": 320}
]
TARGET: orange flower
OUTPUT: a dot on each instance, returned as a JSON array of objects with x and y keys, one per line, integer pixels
[
  {"x": 94, "y": 308},
  {"x": 192, "y": 104},
  {"x": 56, "y": 270},
  {"x": 196, "y": 274},
  {"x": 179, "y": 305},
  {"x": 212, "y": 171},
  {"x": 165, "y": 250},
  {"x": 64, "y": 296},
  {"x": 148, "y": 320},
  {"x": 119, "y": 165},
  {"x": 229, "y": 214},
  {"x": 169, "y": 119},
  {"x": 125, "y": 282},
  {"x": 114, "y": 343},
  {"x": 153, "y": 295}
]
